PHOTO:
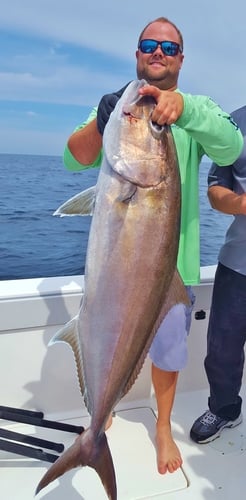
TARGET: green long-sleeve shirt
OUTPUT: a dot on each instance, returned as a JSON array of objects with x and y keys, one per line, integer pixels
[{"x": 202, "y": 129}]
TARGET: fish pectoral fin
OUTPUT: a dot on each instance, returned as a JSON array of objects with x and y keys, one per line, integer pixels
[
  {"x": 127, "y": 192},
  {"x": 69, "y": 333},
  {"x": 81, "y": 204},
  {"x": 86, "y": 450}
]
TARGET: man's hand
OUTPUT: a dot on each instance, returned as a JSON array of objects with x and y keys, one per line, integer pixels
[
  {"x": 169, "y": 104},
  {"x": 106, "y": 106}
]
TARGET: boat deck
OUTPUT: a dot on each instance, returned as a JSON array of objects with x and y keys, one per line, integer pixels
[{"x": 212, "y": 471}]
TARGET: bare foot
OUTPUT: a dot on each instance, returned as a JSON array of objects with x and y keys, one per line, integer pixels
[{"x": 168, "y": 454}]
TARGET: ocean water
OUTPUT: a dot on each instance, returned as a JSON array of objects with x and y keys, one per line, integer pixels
[{"x": 34, "y": 243}]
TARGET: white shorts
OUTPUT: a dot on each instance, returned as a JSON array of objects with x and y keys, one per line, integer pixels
[{"x": 168, "y": 350}]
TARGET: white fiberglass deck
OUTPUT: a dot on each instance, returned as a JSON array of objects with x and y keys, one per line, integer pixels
[
  {"x": 36, "y": 376},
  {"x": 211, "y": 471}
]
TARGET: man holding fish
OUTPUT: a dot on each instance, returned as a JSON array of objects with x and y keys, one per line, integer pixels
[{"x": 199, "y": 127}]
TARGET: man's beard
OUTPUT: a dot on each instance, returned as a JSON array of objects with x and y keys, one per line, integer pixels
[{"x": 159, "y": 80}]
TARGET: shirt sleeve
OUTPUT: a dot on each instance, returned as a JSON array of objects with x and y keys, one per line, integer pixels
[
  {"x": 218, "y": 176},
  {"x": 212, "y": 128},
  {"x": 70, "y": 161}
]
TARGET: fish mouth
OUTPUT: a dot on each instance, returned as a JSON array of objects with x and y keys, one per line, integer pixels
[
  {"x": 136, "y": 114},
  {"x": 131, "y": 109},
  {"x": 135, "y": 108}
]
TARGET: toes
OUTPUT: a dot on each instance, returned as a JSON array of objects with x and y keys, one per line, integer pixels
[
  {"x": 162, "y": 468},
  {"x": 174, "y": 465}
]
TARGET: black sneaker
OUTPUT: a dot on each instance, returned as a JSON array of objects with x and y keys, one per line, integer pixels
[{"x": 208, "y": 427}]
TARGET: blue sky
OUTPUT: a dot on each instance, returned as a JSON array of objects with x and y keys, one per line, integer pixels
[{"x": 58, "y": 58}]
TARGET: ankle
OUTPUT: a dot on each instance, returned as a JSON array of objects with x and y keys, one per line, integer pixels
[{"x": 163, "y": 427}]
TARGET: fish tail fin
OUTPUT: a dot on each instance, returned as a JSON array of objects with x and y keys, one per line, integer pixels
[
  {"x": 103, "y": 465},
  {"x": 86, "y": 450}
]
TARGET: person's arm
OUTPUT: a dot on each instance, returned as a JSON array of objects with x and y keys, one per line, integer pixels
[
  {"x": 85, "y": 144},
  {"x": 83, "y": 149},
  {"x": 213, "y": 129},
  {"x": 226, "y": 201},
  {"x": 218, "y": 135},
  {"x": 221, "y": 191}
]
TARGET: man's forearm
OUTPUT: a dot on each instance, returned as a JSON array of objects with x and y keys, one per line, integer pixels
[
  {"x": 85, "y": 144},
  {"x": 226, "y": 201}
]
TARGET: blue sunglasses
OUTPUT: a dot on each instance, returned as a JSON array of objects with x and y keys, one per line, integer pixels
[{"x": 168, "y": 48}]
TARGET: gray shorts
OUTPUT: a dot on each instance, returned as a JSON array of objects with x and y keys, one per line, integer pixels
[{"x": 168, "y": 350}]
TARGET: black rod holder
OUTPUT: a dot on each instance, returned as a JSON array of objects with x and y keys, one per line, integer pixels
[
  {"x": 8, "y": 443},
  {"x": 27, "y": 451},
  {"x": 27, "y": 439}
]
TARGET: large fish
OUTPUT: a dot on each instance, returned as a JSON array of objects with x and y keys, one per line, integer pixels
[{"x": 130, "y": 277}]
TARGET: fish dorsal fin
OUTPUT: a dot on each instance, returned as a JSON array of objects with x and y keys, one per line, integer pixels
[
  {"x": 70, "y": 335},
  {"x": 177, "y": 294},
  {"x": 81, "y": 204}
]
